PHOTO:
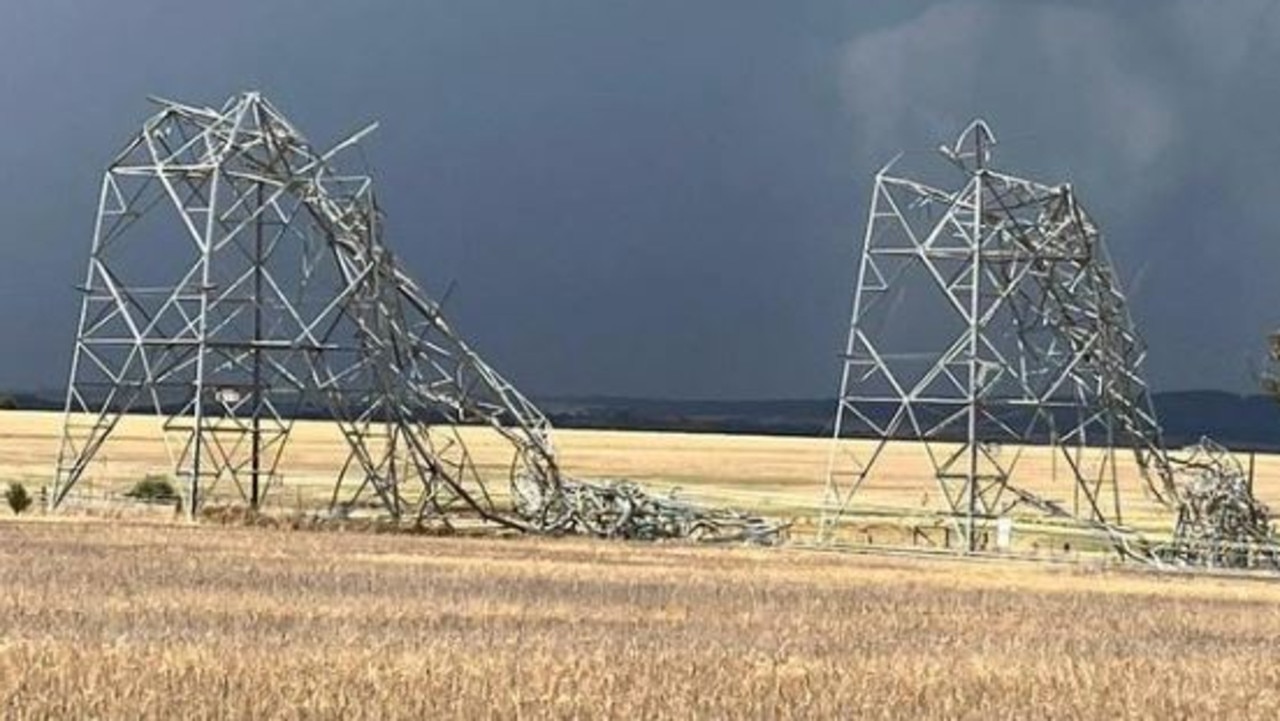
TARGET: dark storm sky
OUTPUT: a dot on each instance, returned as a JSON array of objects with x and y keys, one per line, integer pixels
[{"x": 664, "y": 197}]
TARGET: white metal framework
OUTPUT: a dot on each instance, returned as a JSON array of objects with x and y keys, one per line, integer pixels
[
  {"x": 987, "y": 316},
  {"x": 239, "y": 280}
]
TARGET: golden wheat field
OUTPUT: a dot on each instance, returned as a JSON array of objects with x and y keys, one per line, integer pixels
[
  {"x": 155, "y": 617},
  {"x": 783, "y": 477},
  {"x": 123, "y": 619}
]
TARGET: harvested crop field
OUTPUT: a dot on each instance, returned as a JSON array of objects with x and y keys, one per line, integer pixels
[
  {"x": 783, "y": 477},
  {"x": 163, "y": 620}
]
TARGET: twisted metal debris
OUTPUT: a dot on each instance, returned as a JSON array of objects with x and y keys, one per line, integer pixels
[
  {"x": 239, "y": 279},
  {"x": 622, "y": 509},
  {"x": 1220, "y": 523},
  {"x": 1024, "y": 335}
]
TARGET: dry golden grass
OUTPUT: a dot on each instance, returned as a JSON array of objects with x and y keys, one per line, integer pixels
[
  {"x": 163, "y": 620},
  {"x": 777, "y": 476},
  {"x": 115, "y": 620}
]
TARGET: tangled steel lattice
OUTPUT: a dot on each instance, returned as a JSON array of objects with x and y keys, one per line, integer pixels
[
  {"x": 239, "y": 280},
  {"x": 1220, "y": 523},
  {"x": 987, "y": 319}
]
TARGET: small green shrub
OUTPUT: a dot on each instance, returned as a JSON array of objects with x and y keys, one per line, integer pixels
[
  {"x": 18, "y": 498},
  {"x": 153, "y": 488}
]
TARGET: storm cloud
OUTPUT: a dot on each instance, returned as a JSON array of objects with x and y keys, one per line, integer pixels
[{"x": 665, "y": 198}]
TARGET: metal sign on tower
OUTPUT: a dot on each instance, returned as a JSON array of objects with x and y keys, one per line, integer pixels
[{"x": 987, "y": 317}]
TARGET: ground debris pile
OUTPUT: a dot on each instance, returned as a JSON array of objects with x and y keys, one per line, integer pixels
[
  {"x": 624, "y": 510},
  {"x": 1220, "y": 523}
]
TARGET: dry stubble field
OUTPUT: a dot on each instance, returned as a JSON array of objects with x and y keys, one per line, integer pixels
[
  {"x": 126, "y": 620},
  {"x": 774, "y": 475},
  {"x": 162, "y": 619}
]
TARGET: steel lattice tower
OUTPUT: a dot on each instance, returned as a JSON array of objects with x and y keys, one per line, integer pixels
[
  {"x": 988, "y": 317},
  {"x": 238, "y": 279}
]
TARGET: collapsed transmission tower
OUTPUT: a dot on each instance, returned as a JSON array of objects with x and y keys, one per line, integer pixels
[
  {"x": 1220, "y": 523},
  {"x": 238, "y": 280},
  {"x": 987, "y": 317}
]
